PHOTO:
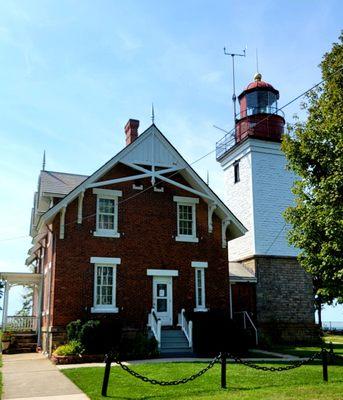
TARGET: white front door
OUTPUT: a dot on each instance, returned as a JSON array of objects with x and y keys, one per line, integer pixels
[{"x": 162, "y": 298}]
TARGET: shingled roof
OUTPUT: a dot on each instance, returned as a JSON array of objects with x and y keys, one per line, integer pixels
[{"x": 59, "y": 182}]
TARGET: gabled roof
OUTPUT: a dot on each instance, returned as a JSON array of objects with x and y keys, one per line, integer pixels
[
  {"x": 152, "y": 148},
  {"x": 59, "y": 183}
]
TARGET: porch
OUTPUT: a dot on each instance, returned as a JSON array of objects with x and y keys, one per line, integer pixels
[{"x": 22, "y": 331}]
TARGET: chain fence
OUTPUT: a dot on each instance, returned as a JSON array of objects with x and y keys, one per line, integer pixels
[
  {"x": 324, "y": 354},
  {"x": 168, "y": 383},
  {"x": 293, "y": 365}
]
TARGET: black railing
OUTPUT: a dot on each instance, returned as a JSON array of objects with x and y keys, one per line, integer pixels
[{"x": 259, "y": 110}]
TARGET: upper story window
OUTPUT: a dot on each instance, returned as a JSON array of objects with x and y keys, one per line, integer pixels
[
  {"x": 105, "y": 270},
  {"x": 236, "y": 172},
  {"x": 200, "y": 300},
  {"x": 186, "y": 219},
  {"x": 107, "y": 212}
]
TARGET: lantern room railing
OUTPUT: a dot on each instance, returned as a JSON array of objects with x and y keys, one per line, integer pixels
[
  {"x": 259, "y": 110},
  {"x": 255, "y": 124}
]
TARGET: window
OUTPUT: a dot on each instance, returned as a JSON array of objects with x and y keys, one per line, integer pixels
[
  {"x": 104, "y": 285},
  {"x": 236, "y": 171},
  {"x": 200, "y": 301},
  {"x": 107, "y": 212},
  {"x": 186, "y": 219}
]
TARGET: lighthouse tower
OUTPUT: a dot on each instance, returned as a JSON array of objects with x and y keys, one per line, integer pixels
[{"x": 266, "y": 279}]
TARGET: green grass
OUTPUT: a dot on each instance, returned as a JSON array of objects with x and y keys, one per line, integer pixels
[
  {"x": 307, "y": 351},
  {"x": 333, "y": 338},
  {"x": 303, "y": 383}
]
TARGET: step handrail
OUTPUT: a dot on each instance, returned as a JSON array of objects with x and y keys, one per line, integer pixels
[
  {"x": 155, "y": 325},
  {"x": 246, "y": 317},
  {"x": 186, "y": 327}
]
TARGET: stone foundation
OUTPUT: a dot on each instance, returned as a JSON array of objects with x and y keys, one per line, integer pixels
[
  {"x": 284, "y": 300},
  {"x": 52, "y": 338}
]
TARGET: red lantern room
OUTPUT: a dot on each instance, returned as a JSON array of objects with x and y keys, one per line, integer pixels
[{"x": 259, "y": 116}]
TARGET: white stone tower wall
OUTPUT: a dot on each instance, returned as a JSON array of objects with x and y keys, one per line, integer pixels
[
  {"x": 259, "y": 198},
  {"x": 272, "y": 184},
  {"x": 239, "y": 200}
]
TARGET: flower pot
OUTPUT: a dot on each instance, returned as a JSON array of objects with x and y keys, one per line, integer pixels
[{"x": 5, "y": 344}]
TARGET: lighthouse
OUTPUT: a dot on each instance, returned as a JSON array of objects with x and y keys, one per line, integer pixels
[{"x": 266, "y": 280}]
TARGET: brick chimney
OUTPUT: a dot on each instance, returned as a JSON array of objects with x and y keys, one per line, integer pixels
[{"x": 131, "y": 131}]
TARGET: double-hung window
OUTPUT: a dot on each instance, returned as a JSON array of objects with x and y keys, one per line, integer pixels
[
  {"x": 107, "y": 212},
  {"x": 104, "y": 296},
  {"x": 186, "y": 219},
  {"x": 200, "y": 292}
]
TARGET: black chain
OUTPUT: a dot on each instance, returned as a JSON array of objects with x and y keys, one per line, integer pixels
[
  {"x": 167, "y": 383},
  {"x": 294, "y": 365}
]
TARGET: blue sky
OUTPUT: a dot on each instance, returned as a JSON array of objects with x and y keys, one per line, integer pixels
[{"x": 73, "y": 72}]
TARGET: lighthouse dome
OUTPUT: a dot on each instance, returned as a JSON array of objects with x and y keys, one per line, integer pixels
[
  {"x": 259, "y": 84},
  {"x": 259, "y": 116}
]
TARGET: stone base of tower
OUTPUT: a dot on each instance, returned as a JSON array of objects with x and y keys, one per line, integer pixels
[{"x": 284, "y": 300}]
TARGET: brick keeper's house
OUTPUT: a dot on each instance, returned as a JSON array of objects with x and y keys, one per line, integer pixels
[
  {"x": 140, "y": 240},
  {"x": 144, "y": 240}
]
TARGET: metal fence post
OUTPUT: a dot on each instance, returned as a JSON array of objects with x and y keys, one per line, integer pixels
[
  {"x": 108, "y": 360},
  {"x": 223, "y": 369},
  {"x": 325, "y": 364},
  {"x": 331, "y": 353}
]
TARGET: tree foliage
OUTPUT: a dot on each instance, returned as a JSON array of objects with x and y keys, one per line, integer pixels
[
  {"x": 27, "y": 304},
  {"x": 314, "y": 150}
]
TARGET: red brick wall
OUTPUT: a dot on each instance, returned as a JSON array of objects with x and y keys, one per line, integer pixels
[{"x": 148, "y": 226}]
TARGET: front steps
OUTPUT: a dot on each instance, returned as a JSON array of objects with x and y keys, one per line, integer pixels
[
  {"x": 23, "y": 343},
  {"x": 174, "y": 344}
]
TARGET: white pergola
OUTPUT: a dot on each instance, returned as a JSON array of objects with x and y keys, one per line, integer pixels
[{"x": 11, "y": 279}]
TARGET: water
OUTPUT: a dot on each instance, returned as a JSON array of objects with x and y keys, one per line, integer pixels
[{"x": 333, "y": 325}]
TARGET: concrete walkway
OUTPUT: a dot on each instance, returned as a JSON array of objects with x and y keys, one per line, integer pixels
[
  {"x": 32, "y": 376},
  {"x": 285, "y": 358}
]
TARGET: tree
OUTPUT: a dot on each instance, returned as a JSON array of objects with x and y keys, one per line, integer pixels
[
  {"x": 27, "y": 298},
  {"x": 314, "y": 150}
]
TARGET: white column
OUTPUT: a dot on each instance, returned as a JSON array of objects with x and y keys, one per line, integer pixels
[
  {"x": 231, "y": 307},
  {"x": 39, "y": 313},
  {"x": 62, "y": 219},
  {"x": 79, "y": 207},
  {"x": 5, "y": 306}
]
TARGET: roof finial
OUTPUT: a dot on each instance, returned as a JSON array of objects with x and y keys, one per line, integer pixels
[
  {"x": 152, "y": 113},
  {"x": 43, "y": 164},
  {"x": 257, "y": 76}
]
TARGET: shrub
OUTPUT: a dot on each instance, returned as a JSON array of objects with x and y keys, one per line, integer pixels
[
  {"x": 90, "y": 336},
  {"x": 139, "y": 346},
  {"x": 73, "y": 348},
  {"x": 214, "y": 331},
  {"x": 73, "y": 330},
  {"x": 96, "y": 337}
]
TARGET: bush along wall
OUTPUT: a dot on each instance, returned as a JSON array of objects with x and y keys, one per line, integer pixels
[
  {"x": 214, "y": 332},
  {"x": 86, "y": 339}
]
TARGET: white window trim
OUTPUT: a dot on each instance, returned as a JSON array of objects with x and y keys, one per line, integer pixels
[
  {"x": 105, "y": 261},
  {"x": 182, "y": 199},
  {"x": 200, "y": 266},
  {"x": 113, "y": 195},
  {"x": 137, "y": 187},
  {"x": 187, "y": 201},
  {"x": 162, "y": 272}
]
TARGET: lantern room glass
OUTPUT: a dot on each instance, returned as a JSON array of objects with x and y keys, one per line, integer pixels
[{"x": 261, "y": 102}]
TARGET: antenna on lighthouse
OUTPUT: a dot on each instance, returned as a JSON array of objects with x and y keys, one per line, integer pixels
[{"x": 233, "y": 55}]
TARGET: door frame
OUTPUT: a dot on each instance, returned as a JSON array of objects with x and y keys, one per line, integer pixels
[{"x": 168, "y": 280}]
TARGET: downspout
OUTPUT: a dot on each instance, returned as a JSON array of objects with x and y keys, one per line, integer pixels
[
  {"x": 40, "y": 310},
  {"x": 49, "y": 294}
]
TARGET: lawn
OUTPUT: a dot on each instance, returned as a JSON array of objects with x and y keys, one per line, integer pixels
[
  {"x": 306, "y": 351},
  {"x": 333, "y": 338},
  {"x": 243, "y": 383}
]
